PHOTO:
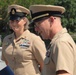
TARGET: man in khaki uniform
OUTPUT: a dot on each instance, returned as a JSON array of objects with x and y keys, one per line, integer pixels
[
  {"x": 22, "y": 50},
  {"x": 61, "y": 53}
]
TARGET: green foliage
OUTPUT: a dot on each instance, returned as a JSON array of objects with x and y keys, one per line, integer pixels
[
  {"x": 68, "y": 18},
  {"x": 69, "y": 15}
]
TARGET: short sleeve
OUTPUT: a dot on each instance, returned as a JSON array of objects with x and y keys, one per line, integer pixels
[
  {"x": 63, "y": 57},
  {"x": 39, "y": 49}
]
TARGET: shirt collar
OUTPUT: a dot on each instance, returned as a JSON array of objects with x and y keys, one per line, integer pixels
[
  {"x": 24, "y": 35},
  {"x": 64, "y": 30}
]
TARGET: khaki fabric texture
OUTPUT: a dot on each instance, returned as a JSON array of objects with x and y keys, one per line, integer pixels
[
  {"x": 24, "y": 54},
  {"x": 18, "y": 8},
  {"x": 40, "y": 8},
  {"x": 62, "y": 55}
]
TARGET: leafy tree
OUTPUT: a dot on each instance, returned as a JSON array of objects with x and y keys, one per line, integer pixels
[
  {"x": 68, "y": 20},
  {"x": 69, "y": 15}
]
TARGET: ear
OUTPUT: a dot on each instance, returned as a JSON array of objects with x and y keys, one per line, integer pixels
[
  {"x": 51, "y": 18},
  {"x": 25, "y": 20}
]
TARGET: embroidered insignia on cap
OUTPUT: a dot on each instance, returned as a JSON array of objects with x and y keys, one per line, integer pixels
[{"x": 13, "y": 11}]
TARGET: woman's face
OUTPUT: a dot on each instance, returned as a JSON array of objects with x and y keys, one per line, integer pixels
[{"x": 17, "y": 25}]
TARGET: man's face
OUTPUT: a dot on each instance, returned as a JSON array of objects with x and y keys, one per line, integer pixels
[{"x": 43, "y": 28}]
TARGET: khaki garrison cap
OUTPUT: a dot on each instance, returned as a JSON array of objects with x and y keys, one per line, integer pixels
[
  {"x": 16, "y": 12},
  {"x": 40, "y": 11}
]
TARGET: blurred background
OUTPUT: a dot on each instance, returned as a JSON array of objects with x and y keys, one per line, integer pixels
[{"x": 68, "y": 18}]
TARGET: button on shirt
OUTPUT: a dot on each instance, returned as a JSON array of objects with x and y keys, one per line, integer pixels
[{"x": 24, "y": 53}]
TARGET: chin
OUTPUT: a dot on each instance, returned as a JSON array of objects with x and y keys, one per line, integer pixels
[{"x": 16, "y": 30}]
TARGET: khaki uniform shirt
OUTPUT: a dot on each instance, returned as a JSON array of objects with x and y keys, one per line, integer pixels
[
  {"x": 61, "y": 54},
  {"x": 24, "y": 54}
]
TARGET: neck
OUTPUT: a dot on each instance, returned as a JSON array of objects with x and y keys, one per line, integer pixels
[
  {"x": 57, "y": 27},
  {"x": 18, "y": 34}
]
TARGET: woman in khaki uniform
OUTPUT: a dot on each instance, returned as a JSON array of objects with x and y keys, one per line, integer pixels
[
  {"x": 22, "y": 50},
  {"x": 61, "y": 53}
]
